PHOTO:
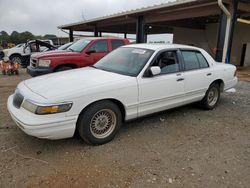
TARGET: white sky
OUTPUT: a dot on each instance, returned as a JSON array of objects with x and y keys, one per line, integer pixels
[{"x": 43, "y": 16}]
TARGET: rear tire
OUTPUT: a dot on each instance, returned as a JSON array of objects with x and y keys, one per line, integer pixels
[
  {"x": 99, "y": 123},
  {"x": 63, "y": 68},
  {"x": 212, "y": 97}
]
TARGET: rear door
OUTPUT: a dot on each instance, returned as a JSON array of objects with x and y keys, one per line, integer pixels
[{"x": 197, "y": 73}]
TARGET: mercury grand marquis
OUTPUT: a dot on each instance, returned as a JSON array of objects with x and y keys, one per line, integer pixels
[{"x": 132, "y": 81}]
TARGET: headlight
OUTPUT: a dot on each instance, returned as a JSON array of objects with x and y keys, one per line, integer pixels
[
  {"x": 47, "y": 109},
  {"x": 43, "y": 63}
]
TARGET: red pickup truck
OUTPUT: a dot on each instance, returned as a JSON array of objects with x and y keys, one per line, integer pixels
[{"x": 82, "y": 53}]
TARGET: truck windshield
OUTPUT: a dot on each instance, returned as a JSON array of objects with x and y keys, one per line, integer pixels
[
  {"x": 125, "y": 60},
  {"x": 65, "y": 46},
  {"x": 79, "y": 45}
]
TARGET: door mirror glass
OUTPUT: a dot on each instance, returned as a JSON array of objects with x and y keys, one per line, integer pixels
[{"x": 155, "y": 70}]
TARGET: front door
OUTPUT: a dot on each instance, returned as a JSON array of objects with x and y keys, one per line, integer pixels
[
  {"x": 98, "y": 50},
  {"x": 165, "y": 90}
]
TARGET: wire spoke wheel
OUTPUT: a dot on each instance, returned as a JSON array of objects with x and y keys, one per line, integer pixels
[
  {"x": 103, "y": 123},
  {"x": 212, "y": 96}
]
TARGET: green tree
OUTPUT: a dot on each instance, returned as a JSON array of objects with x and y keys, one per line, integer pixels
[
  {"x": 49, "y": 36},
  {"x": 26, "y": 36},
  {"x": 17, "y": 38},
  {"x": 4, "y": 36},
  {"x": 14, "y": 37}
]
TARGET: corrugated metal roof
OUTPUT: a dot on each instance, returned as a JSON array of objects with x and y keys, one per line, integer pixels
[{"x": 130, "y": 12}]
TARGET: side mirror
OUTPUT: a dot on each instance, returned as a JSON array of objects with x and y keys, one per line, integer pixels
[
  {"x": 90, "y": 52},
  {"x": 155, "y": 70}
]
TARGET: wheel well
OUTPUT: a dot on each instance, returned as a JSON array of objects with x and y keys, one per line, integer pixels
[
  {"x": 221, "y": 84},
  {"x": 115, "y": 101},
  {"x": 66, "y": 65},
  {"x": 15, "y": 55}
]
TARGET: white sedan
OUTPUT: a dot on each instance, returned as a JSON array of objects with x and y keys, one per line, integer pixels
[{"x": 132, "y": 81}]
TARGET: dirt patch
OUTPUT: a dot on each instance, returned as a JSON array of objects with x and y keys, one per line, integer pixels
[{"x": 183, "y": 147}]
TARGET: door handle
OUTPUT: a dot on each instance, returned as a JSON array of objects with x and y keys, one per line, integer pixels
[
  {"x": 209, "y": 74},
  {"x": 180, "y": 79}
]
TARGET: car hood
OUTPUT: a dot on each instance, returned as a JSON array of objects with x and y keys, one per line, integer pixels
[
  {"x": 74, "y": 83},
  {"x": 54, "y": 53},
  {"x": 9, "y": 49}
]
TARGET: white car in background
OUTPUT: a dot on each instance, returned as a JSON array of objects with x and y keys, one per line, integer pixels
[
  {"x": 132, "y": 81},
  {"x": 21, "y": 53}
]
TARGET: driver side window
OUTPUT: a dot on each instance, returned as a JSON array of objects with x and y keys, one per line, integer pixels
[
  {"x": 99, "y": 46},
  {"x": 168, "y": 62}
]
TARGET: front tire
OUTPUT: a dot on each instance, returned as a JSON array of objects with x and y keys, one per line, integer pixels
[
  {"x": 99, "y": 123},
  {"x": 212, "y": 97},
  {"x": 16, "y": 59}
]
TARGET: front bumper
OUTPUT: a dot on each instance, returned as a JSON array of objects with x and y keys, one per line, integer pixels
[
  {"x": 38, "y": 71},
  {"x": 57, "y": 126}
]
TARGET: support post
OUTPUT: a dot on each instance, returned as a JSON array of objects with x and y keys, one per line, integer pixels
[
  {"x": 140, "y": 33},
  {"x": 145, "y": 38},
  {"x": 125, "y": 35},
  {"x": 234, "y": 19},
  {"x": 95, "y": 32},
  {"x": 221, "y": 37},
  {"x": 225, "y": 11},
  {"x": 71, "y": 37}
]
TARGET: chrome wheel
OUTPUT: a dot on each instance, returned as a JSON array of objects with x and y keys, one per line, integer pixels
[
  {"x": 103, "y": 123},
  {"x": 212, "y": 96}
]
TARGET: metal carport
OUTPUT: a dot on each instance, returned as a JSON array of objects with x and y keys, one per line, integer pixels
[{"x": 193, "y": 14}]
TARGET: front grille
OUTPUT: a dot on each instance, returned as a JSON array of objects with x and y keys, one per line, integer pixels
[
  {"x": 17, "y": 100},
  {"x": 33, "y": 63}
]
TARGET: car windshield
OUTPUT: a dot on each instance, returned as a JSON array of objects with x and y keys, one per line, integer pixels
[
  {"x": 19, "y": 45},
  {"x": 125, "y": 60},
  {"x": 79, "y": 45}
]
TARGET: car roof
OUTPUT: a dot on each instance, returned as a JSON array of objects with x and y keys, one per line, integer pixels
[
  {"x": 100, "y": 38},
  {"x": 158, "y": 47}
]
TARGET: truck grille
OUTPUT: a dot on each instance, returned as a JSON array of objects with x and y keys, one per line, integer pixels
[
  {"x": 17, "y": 100},
  {"x": 33, "y": 63}
]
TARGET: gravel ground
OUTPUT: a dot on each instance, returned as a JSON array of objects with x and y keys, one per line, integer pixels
[{"x": 183, "y": 147}]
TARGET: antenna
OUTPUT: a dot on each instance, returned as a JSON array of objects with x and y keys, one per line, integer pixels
[{"x": 83, "y": 17}]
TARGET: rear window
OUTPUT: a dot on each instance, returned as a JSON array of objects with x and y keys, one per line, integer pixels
[
  {"x": 190, "y": 60},
  {"x": 202, "y": 60},
  {"x": 116, "y": 43}
]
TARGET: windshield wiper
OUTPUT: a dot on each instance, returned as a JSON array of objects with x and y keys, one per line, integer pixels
[{"x": 70, "y": 49}]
